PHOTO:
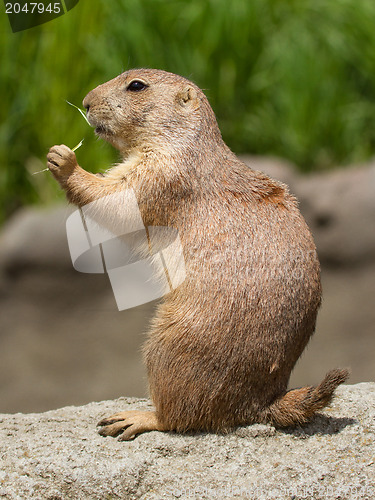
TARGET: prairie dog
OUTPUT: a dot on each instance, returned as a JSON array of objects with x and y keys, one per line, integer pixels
[{"x": 223, "y": 344}]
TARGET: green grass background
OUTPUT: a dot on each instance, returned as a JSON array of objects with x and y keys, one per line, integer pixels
[{"x": 293, "y": 78}]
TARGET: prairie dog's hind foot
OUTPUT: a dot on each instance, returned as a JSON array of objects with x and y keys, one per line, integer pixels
[{"x": 127, "y": 424}]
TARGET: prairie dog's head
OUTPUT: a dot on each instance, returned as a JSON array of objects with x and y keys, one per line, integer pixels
[{"x": 149, "y": 109}]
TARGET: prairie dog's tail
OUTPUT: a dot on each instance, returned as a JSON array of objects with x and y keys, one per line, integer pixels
[{"x": 299, "y": 405}]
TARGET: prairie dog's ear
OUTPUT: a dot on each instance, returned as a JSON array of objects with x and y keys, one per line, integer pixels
[{"x": 186, "y": 95}]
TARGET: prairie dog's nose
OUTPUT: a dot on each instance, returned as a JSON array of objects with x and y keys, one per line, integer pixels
[{"x": 87, "y": 101}]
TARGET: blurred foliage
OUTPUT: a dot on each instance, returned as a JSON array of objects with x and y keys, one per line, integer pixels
[{"x": 285, "y": 77}]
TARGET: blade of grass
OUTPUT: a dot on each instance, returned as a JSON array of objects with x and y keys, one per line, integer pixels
[
  {"x": 78, "y": 145},
  {"x": 81, "y": 111}
]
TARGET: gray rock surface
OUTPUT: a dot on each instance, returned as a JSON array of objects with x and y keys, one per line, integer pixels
[{"x": 59, "y": 455}]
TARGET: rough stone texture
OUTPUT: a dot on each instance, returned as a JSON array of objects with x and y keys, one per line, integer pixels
[
  {"x": 63, "y": 341},
  {"x": 59, "y": 455}
]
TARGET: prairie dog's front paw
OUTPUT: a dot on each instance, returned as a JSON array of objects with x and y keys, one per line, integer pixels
[{"x": 61, "y": 161}]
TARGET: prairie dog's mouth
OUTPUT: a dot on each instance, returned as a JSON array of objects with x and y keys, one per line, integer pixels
[{"x": 102, "y": 130}]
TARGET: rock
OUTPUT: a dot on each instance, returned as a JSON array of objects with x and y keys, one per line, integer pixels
[
  {"x": 339, "y": 207},
  {"x": 35, "y": 237},
  {"x": 59, "y": 455}
]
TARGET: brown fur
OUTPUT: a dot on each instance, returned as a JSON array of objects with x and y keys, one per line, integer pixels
[{"x": 223, "y": 344}]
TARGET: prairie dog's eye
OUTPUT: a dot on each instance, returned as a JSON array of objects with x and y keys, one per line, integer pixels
[{"x": 136, "y": 85}]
